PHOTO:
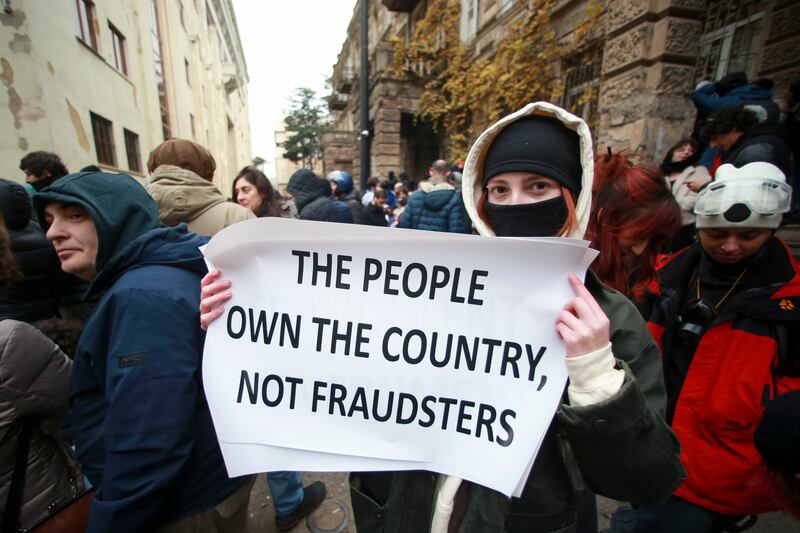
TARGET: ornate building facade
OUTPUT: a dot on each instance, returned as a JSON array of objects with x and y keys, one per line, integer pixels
[{"x": 647, "y": 56}]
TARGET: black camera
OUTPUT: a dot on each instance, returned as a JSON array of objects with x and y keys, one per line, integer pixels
[{"x": 694, "y": 321}]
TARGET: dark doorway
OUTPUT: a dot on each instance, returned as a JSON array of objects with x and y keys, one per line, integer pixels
[{"x": 419, "y": 146}]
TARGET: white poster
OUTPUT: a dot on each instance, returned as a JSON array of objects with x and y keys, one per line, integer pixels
[{"x": 353, "y": 348}]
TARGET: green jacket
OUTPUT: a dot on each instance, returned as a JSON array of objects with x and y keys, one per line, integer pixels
[{"x": 621, "y": 448}]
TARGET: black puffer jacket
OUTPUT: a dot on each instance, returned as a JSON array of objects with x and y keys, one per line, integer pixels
[
  {"x": 312, "y": 195},
  {"x": 762, "y": 143},
  {"x": 34, "y": 296}
]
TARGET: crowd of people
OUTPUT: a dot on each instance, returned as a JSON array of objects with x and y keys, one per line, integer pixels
[{"x": 681, "y": 344}]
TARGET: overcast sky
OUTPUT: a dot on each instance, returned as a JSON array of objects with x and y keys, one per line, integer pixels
[{"x": 287, "y": 44}]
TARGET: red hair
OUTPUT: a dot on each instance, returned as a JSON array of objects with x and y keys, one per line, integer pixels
[
  {"x": 569, "y": 225},
  {"x": 629, "y": 203}
]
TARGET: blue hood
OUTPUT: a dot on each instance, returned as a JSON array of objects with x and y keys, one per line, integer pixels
[
  {"x": 176, "y": 247},
  {"x": 751, "y": 92}
]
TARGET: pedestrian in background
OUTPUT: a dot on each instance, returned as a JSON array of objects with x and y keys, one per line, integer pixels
[
  {"x": 253, "y": 190},
  {"x": 181, "y": 174},
  {"x": 685, "y": 178},
  {"x": 634, "y": 215},
  {"x": 343, "y": 191},
  {"x": 436, "y": 205},
  {"x": 375, "y": 212},
  {"x": 726, "y": 316},
  {"x": 313, "y": 197}
]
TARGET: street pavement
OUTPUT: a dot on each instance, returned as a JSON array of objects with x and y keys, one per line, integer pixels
[
  {"x": 331, "y": 515},
  {"x": 327, "y": 519}
]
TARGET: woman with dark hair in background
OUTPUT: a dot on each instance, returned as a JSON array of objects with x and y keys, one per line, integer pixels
[
  {"x": 633, "y": 216},
  {"x": 685, "y": 177},
  {"x": 34, "y": 395},
  {"x": 253, "y": 190}
]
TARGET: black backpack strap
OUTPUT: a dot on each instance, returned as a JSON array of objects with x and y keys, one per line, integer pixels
[{"x": 14, "y": 501}]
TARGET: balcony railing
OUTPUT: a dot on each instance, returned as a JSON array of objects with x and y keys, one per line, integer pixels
[
  {"x": 345, "y": 81},
  {"x": 337, "y": 101}
]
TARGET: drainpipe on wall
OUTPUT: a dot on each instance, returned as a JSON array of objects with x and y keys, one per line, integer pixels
[{"x": 364, "y": 95}]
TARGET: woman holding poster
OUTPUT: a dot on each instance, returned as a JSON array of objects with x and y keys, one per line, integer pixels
[{"x": 530, "y": 175}]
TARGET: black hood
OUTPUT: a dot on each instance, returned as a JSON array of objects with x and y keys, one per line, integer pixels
[{"x": 306, "y": 187}]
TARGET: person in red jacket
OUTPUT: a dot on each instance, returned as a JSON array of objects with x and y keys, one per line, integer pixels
[{"x": 726, "y": 317}]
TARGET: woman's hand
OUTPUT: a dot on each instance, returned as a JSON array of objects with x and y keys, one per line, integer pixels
[
  {"x": 696, "y": 184},
  {"x": 213, "y": 293},
  {"x": 582, "y": 324}
]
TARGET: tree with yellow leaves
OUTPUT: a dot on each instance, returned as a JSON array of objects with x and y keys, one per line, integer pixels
[{"x": 462, "y": 94}]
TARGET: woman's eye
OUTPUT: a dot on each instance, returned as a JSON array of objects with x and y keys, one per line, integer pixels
[
  {"x": 498, "y": 189},
  {"x": 538, "y": 186}
]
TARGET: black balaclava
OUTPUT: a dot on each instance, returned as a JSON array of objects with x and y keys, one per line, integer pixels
[
  {"x": 543, "y": 145},
  {"x": 542, "y": 219}
]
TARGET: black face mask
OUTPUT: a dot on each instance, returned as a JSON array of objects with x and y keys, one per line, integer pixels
[{"x": 541, "y": 219}]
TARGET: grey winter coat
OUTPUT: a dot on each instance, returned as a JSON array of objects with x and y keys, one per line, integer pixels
[{"x": 34, "y": 382}]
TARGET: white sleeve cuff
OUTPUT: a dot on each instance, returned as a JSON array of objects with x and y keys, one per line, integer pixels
[
  {"x": 593, "y": 377},
  {"x": 703, "y": 84}
]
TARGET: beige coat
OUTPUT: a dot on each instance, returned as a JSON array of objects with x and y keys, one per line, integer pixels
[
  {"x": 34, "y": 382},
  {"x": 184, "y": 197},
  {"x": 686, "y": 197}
]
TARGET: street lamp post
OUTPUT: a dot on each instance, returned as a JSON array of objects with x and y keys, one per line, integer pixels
[{"x": 364, "y": 94}]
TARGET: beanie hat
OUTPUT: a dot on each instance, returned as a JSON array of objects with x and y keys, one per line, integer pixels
[
  {"x": 777, "y": 436},
  {"x": 543, "y": 145},
  {"x": 185, "y": 154},
  {"x": 753, "y": 196}
]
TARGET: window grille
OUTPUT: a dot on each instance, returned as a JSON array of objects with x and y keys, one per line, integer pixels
[{"x": 732, "y": 32}]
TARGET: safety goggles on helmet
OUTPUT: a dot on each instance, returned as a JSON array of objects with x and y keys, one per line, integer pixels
[{"x": 764, "y": 196}]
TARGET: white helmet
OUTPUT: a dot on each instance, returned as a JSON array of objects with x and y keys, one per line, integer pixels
[{"x": 753, "y": 196}]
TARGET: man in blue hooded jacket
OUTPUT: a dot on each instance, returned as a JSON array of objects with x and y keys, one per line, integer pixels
[{"x": 143, "y": 432}]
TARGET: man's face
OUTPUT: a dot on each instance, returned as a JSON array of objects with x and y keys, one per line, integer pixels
[
  {"x": 72, "y": 232},
  {"x": 732, "y": 245},
  {"x": 725, "y": 140},
  {"x": 31, "y": 178}
]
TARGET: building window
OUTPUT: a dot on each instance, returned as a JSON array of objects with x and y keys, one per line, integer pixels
[
  {"x": 732, "y": 33},
  {"x": 161, "y": 84},
  {"x": 581, "y": 86},
  {"x": 86, "y": 22},
  {"x": 103, "y": 140},
  {"x": 118, "y": 42},
  {"x": 191, "y": 123},
  {"x": 469, "y": 19},
  {"x": 132, "y": 149},
  {"x": 188, "y": 71}
]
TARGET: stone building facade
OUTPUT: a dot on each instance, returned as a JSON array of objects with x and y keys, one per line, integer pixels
[
  {"x": 633, "y": 89},
  {"x": 104, "y": 82}
]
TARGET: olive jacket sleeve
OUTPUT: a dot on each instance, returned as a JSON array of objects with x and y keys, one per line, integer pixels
[{"x": 623, "y": 446}]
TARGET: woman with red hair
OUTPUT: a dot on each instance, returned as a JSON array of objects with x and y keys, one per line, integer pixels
[{"x": 634, "y": 215}]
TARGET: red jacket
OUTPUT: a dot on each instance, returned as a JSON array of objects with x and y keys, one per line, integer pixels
[{"x": 747, "y": 356}]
